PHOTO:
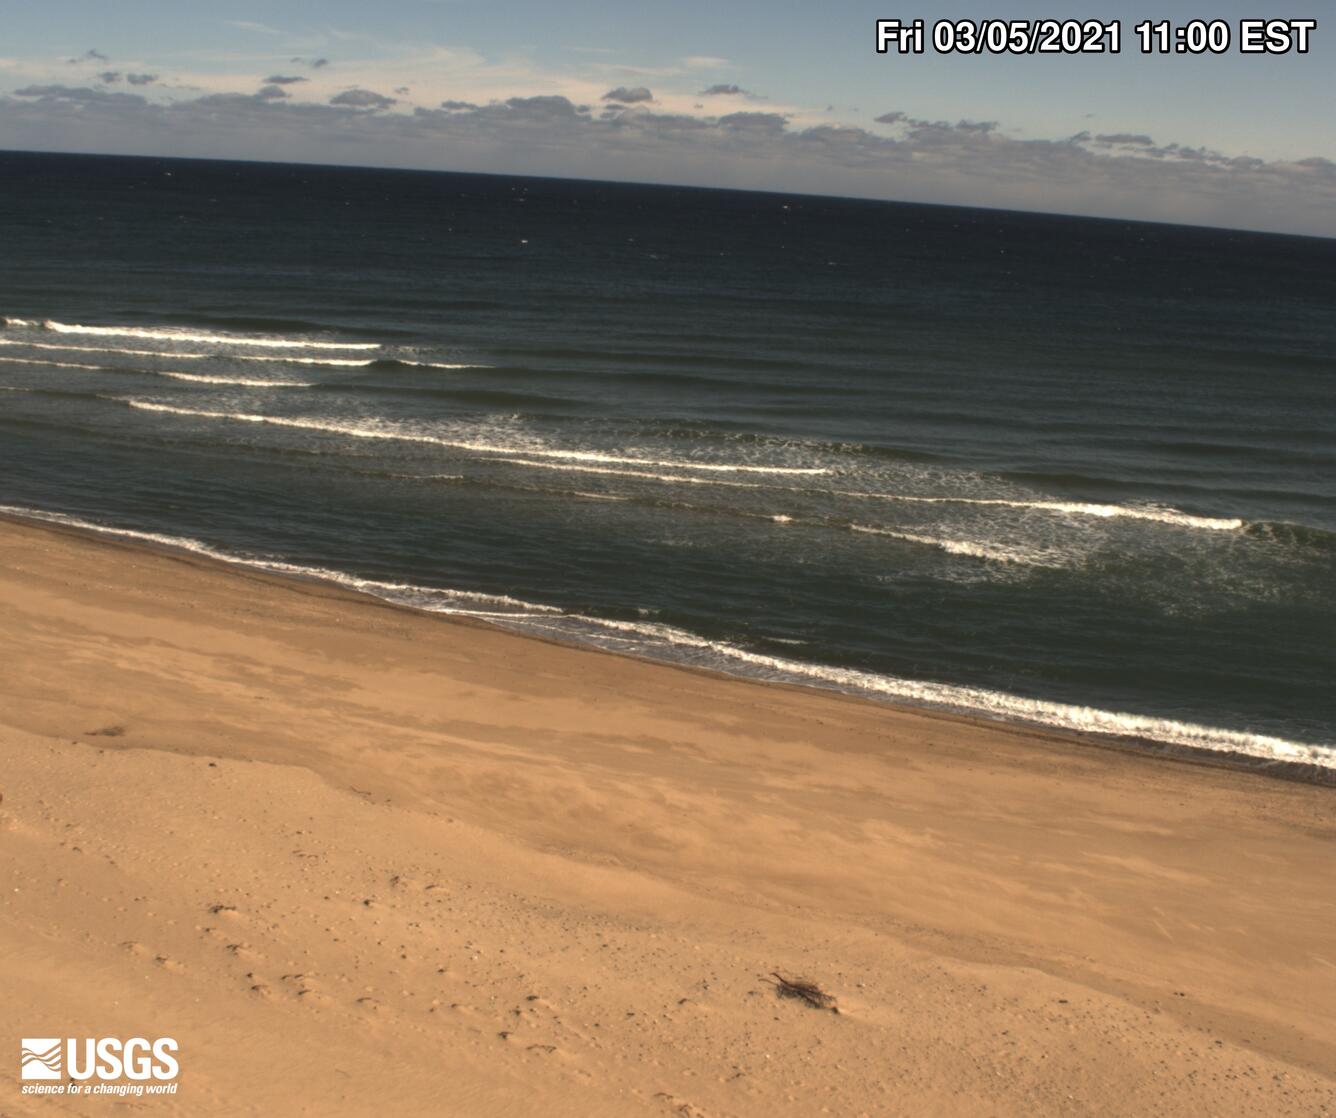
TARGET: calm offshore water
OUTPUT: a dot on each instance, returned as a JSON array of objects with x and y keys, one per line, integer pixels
[{"x": 1072, "y": 471}]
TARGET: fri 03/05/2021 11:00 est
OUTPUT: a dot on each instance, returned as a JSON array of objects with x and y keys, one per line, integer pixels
[{"x": 1093, "y": 36}]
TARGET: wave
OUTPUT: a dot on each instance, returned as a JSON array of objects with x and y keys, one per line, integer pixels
[
  {"x": 244, "y": 381},
  {"x": 1156, "y": 513},
  {"x": 399, "y": 592},
  {"x": 52, "y": 364},
  {"x": 974, "y": 549},
  {"x": 657, "y": 640},
  {"x": 164, "y": 373},
  {"x": 304, "y": 360},
  {"x": 428, "y": 364},
  {"x": 354, "y": 363},
  {"x": 631, "y": 473},
  {"x": 369, "y": 432},
  {"x": 1161, "y": 515},
  {"x": 106, "y": 349},
  {"x": 992, "y": 704},
  {"x": 170, "y": 334}
]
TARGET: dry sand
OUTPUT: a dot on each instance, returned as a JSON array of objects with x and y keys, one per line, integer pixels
[{"x": 358, "y": 860}]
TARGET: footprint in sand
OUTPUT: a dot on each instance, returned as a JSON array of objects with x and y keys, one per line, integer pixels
[
  {"x": 306, "y": 989},
  {"x": 244, "y": 952},
  {"x": 681, "y": 1106}
]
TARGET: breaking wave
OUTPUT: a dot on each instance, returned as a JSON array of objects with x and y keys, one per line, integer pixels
[
  {"x": 244, "y": 381},
  {"x": 171, "y": 334},
  {"x": 106, "y": 349},
  {"x": 365, "y": 431},
  {"x": 974, "y": 549},
  {"x": 1076, "y": 508}
]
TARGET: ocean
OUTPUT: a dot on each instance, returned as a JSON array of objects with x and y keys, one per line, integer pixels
[{"x": 1071, "y": 472}]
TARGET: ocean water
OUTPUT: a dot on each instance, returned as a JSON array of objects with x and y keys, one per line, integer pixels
[{"x": 1074, "y": 472}]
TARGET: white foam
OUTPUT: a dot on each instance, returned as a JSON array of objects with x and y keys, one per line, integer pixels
[
  {"x": 106, "y": 349},
  {"x": 631, "y": 473},
  {"x": 1078, "y": 508},
  {"x": 174, "y": 335},
  {"x": 677, "y": 464},
  {"x": 390, "y": 591},
  {"x": 367, "y": 431},
  {"x": 244, "y": 381},
  {"x": 437, "y": 364},
  {"x": 53, "y": 364},
  {"x": 20, "y": 322},
  {"x": 306, "y": 360},
  {"x": 993, "y": 704},
  {"x": 974, "y": 549}
]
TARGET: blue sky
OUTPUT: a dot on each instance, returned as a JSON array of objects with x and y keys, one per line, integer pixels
[{"x": 1230, "y": 140}]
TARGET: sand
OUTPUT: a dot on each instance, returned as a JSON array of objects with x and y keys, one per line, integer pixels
[{"x": 358, "y": 860}]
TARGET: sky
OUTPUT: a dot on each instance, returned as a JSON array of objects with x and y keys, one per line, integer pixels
[{"x": 779, "y": 95}]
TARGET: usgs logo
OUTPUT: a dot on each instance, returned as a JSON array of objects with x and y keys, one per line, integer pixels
[{"x": 101, "y": 1058}]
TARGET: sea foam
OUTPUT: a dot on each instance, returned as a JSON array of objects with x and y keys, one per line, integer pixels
[
  {"x": 1157, "y": 513},
  {"x": 247, "y": 382},
  {"x": 366, "y": 431},
  {"x": 172, "y": 334},
  {"x": 106, "y": 349}
]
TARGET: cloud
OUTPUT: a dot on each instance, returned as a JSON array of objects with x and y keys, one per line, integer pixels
[
  {"x": 77, "y": 95},
  {"x": 88, "y": 56},
  {"x": 966, "y": 162},
  {"x": 141, "y": 79},
  {"x": 772, "y": 124},
  {"x": 109, "y": 77},
  {"x": 314, "y": 63},
  {"x": 250, "y": 25},
  {"x": 362, "y": 99},
  {"x": 1138, "y": 139},
  {"x": 723, "y": 90},
  {"x": 284, "y": 79},
  {"x": 704, "y": 62},
  {"x": 629, "y": 96}
]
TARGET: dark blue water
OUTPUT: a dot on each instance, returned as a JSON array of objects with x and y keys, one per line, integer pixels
[{"x": 1072, "y": 471}]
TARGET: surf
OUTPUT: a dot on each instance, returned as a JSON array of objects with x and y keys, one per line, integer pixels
[{"x": 171, "y": 334}]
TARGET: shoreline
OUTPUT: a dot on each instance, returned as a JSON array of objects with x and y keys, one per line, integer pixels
[
  {"x": 1309, "y": 772},
  {"x": 343, "y": 854}
]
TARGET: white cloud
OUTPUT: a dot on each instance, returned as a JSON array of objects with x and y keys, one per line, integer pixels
[{"x": 249, "y": 25}]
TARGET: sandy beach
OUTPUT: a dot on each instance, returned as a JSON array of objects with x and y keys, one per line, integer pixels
[{"x": 359, "y": 860}]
